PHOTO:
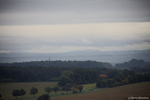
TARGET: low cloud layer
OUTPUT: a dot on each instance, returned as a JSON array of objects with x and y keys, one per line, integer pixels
[{"x": 61, "y": 38}]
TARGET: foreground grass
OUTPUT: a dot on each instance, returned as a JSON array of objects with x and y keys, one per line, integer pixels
[{"x": 116, "y": 93}]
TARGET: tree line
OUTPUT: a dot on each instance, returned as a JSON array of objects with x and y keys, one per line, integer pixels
[
  {"x": 28, "y": 74},
  {"x": 84, "y": 64},
  {"x": 121, "y": 77},
  {"x": 138, "y": 66},
  {"x": 71, "y": 75},
  {"x": 132, "y": 63},
  {"x": 34, "y": 91},
  {"x": 36, "y": 74},
  {"x": 77, "y": 76}
]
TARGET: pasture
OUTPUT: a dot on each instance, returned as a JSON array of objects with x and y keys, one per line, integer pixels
[
  {"x": 115, "y": 93},
  {"x": 6, "y": 89}
]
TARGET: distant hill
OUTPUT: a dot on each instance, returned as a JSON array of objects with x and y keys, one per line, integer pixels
[
  {"x": 139, "y": 66},
  {"x": 132, "y": 63},
  {"x": 93, "y": 55}
]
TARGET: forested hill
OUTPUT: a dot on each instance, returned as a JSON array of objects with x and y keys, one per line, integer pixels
[
  {"x": 139, "y": 66},
  {"x": 84, "y": 64}
]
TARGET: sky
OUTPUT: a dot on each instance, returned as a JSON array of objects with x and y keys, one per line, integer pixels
[{"x": 49, "y": 26}]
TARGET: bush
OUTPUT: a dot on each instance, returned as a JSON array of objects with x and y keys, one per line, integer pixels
[{"x": 62, "y": 93}]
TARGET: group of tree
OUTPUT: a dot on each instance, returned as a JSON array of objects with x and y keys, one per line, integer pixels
[
  {"x": 36, "y": 74},
  {"x": 141, "y": 69},
  {"x": 48, "y": 90},
  {"x": 22, "y": 92},
  {"x": 28, "y": 74},
  {"x": 71, "y": 75},
  {"x": 122, "y": 78},
  {"x": 138, "y": 66},
  {"x": 33, "y": 91},
  {"x": 68, "y": 87},
  {"x": 77, "y": 87},
  {"x": 37, "y": 70},
  {"x": 133, "y": 63},
  {"x": 16, "y": 93},
  {"x": 77, "y": 76}
]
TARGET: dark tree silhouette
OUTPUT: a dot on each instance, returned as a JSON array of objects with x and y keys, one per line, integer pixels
[
  {"x": 23, "y": 92},
  {"x": 33, "y": 91},
  {"x": 44, "y": 97},
  {"x": 16, "y": 93},
  {"x": 67, "y": 87},
  {"x": 80, "y": 87},
  {"x": 55, "y": 89},
  {"x": 48, "y": 89}
]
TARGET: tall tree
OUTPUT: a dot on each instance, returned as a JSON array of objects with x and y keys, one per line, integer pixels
[
  {"x": 23, "y": 92},
  {"x": 67, "y": 87},
  {"x": 48, "y": 89},
  {"x": 33, "y": 91},
  {"x": 99, "y": 82},
  {"x": 80, "y": 87},
  {"x": 16, "y": 93},
  {"x": 64, "y": 80},
  {"x": 55, "y": 89}
]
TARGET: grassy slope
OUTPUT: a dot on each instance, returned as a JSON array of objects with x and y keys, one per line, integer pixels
[
  {"x": 117, "y": 93},
  {"x": 89, "y": 86}
]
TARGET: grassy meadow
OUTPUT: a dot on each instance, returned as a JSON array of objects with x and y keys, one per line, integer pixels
[
  {"x": 6, "y": 89},
  {"x": 115, "y": 93}
]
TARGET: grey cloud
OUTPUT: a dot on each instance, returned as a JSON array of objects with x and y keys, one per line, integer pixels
[
  {"x": 33, "y": 43},
  {"x": 68, "y": 11}
]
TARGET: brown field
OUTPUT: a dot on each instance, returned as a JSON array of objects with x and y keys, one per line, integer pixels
[{"x": 116, "y": 93}]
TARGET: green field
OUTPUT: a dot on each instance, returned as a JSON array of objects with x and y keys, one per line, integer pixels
[
  {"x": 7, "y": 88},
  {"x": 116, "y": 93},
  {"x": 89, "y": 86}
]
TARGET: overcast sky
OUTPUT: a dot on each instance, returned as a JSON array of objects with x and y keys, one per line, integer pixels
[{"x": 68, "y": 25}]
